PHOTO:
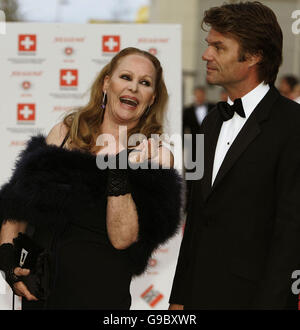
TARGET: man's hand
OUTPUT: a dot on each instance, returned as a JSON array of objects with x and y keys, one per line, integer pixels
[{"x": 176, "y": 307}]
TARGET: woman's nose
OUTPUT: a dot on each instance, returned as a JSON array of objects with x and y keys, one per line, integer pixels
[{"x": 133, "y": 86}]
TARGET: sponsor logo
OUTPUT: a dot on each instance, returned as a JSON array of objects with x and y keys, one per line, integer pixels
[
  {"x": 153, "y": 40},
  {"x": 26, "y": 113},
  {"x": 152, "y": 262},
  {"x": 151, "y": 296},
  {"x": 111, "y": 44},
  {"x": 26, "y": 84},
  {"x": 68, "y": 78},
  {"x": 27, "y": 43},
  {"x": 153, "y": 51},
  {"x": 68, "y": 51},
  {"x": 17, "y": 143}
]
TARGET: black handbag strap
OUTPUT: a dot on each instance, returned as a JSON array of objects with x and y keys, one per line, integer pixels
[{"x": 65, "y": 139}]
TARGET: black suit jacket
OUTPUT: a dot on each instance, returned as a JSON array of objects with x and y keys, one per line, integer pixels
[
  {"x": 191, "y": 124},
  {"x": 189, "y": 118},
  {"x": 242, "y": 236}
]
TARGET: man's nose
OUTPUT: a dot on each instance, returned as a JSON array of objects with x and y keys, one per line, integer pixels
[{"x": 207, "y": 56}]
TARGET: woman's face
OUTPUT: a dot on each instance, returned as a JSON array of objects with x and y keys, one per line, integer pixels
[{"x": 130, "y": 89}]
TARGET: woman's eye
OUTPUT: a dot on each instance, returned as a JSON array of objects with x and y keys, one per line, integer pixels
[
  {"x": 125, "y": 76},
  {"x": 145, "y": 82}
]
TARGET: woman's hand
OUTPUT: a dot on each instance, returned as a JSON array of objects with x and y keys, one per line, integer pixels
[
  {"x": 10, "y": 230},
  {"x": 148, "y": 149},
  {"x": 151, "y": 150},
  {"x": 20, "y": 288}
]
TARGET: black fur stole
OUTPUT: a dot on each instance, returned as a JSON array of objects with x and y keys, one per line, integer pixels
[{"x": 51, "y": 185}]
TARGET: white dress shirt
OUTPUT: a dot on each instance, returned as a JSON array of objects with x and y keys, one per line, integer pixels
[
  {"x": 231, "y": 127},
  {"x": 201, "y": 112}
]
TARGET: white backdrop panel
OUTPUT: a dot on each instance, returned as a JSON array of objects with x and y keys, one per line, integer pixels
[{"x": 35, "y": 96}]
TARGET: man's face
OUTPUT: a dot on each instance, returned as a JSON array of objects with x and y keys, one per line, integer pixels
[{"x": 222, "y": 57}]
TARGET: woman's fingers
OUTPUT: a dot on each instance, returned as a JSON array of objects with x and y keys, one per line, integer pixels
[
  {"x": 19, "y": 287},
  {"x": 137, "y": 155},
  {"x": 21, "y": 290},
  {"x": 147, "y": 149},
  {"x": 153, "y": 146},
  {"x": 21, "y": 272}
]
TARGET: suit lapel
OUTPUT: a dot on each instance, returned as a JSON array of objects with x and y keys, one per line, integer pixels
[
  {"x": 247, "y": 134},
  {"x": 210, "y": 143}
]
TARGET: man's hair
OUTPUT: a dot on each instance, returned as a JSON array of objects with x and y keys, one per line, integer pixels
[
  {"x": 291, "y": 80},
  {"x": 257, "y": 31}
]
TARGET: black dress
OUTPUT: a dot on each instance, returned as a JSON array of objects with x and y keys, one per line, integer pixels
[{"x": 89, "y": 273}]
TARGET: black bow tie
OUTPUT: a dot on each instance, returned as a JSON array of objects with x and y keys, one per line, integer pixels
[{"x": 227, "y": 111}]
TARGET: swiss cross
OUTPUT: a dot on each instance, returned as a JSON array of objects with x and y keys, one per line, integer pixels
[
  {"x": 27, "y": 42},
  {"x": 111, "y": 43},
  {"x": 68, "y": 77},
  {"x": 26, "y": 112}
]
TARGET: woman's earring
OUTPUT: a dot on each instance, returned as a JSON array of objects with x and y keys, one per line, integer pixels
[
  {"x": 147, "y": 110},
  {"x": 104, "y": 100}
]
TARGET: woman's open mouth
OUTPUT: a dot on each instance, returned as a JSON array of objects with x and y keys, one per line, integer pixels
[{"x": 130, "y": 102}]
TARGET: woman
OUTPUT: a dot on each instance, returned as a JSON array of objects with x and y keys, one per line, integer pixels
[{"x": 99, "y": 227}]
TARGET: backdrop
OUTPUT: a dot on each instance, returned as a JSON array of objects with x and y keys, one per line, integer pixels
[{"x": 46, "y": 69}]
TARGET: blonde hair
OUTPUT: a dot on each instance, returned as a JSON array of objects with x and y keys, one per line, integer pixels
[{"x": 85, "y": 122}]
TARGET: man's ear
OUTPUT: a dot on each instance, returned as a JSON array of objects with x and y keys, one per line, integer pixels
[
  {"x": 254, "y": 59},
  {"x": 105, "y": 83}
]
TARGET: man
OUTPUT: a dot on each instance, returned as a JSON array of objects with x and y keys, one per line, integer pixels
[
  {"x": 287, "y": 85},
  {"x": 242, "y": 237},
  {"x": 193, "y": 117},
  {"x": 194, "y": 114}
]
